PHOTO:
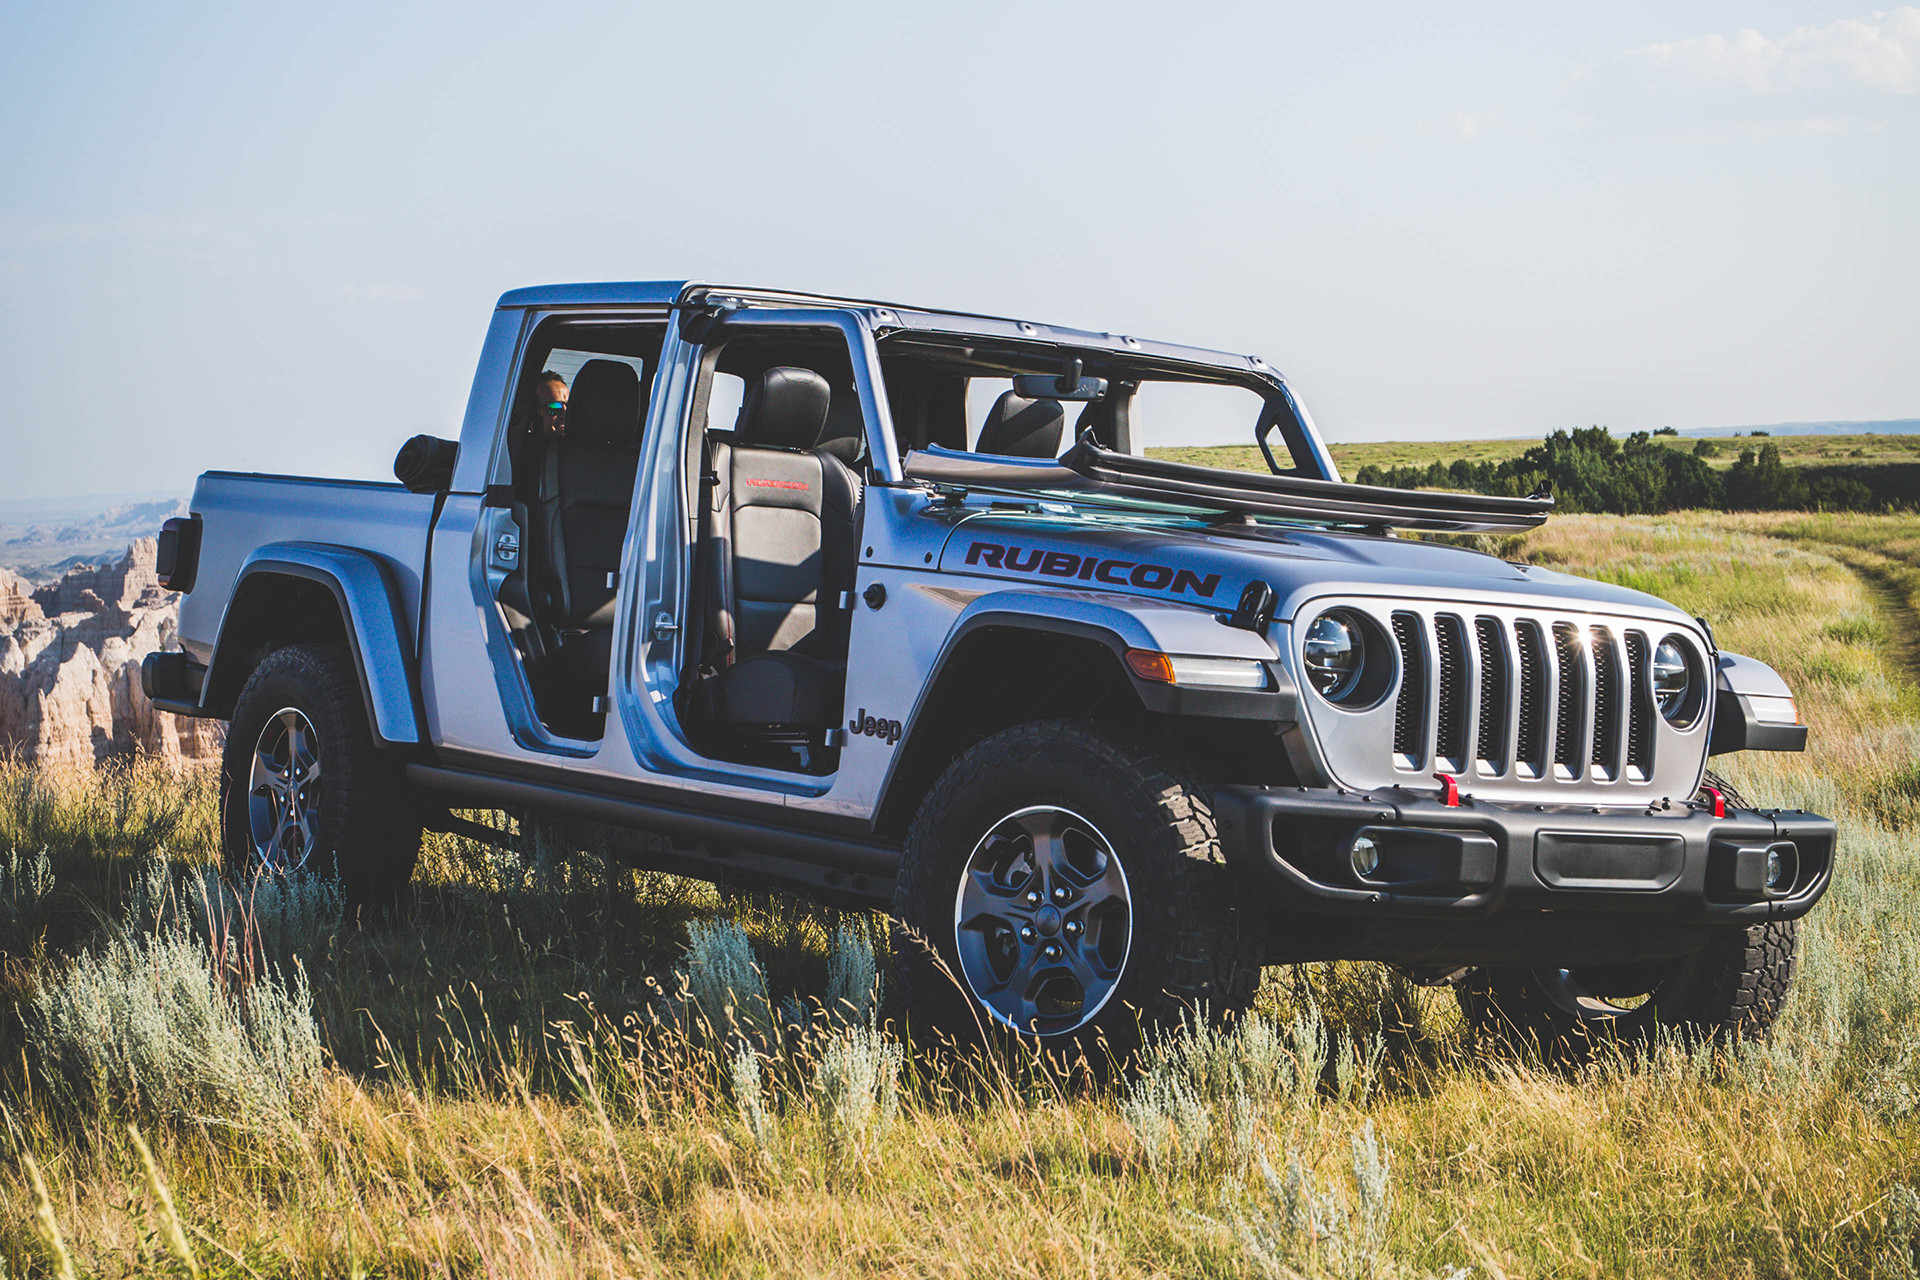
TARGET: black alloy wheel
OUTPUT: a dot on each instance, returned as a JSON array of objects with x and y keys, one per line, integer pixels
[
  {"x": 283, "y": 793},
  {"x": 1043, "y": 921}
]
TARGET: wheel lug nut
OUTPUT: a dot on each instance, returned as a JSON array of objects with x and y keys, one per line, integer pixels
[
  {"x": 1033, "y": 898},
  {"x": 1060, "y": 893},
  {"x": 1052, "y": 950},
  {"x": 1026, "y": 933},
  {"x": 1073, "y": 927}
]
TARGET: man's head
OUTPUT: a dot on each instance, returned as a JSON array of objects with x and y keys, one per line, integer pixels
[{"x": 550, "y": 404}]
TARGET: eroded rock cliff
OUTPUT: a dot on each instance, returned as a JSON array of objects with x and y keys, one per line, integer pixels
[{"x": 70, "y": 657}]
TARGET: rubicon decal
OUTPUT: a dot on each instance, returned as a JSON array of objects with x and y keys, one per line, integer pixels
[
  {"x": 888, "y": 731},
  {"x": 1113, "y": 573}
]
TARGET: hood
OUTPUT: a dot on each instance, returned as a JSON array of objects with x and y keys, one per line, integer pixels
[{"x": 1211, "y": 565}]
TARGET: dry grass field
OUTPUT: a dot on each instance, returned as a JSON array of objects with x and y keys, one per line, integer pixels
[{"x": 552, "y": 1068}]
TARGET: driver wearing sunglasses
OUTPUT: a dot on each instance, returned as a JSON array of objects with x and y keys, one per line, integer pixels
[{"x": 550, "y": 404}]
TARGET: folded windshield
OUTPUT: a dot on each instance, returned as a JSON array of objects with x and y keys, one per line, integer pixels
[{"x": 1036, "y": 400}]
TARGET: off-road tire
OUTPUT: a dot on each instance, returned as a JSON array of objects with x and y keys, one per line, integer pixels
[
  {"x": 1731, "y": 989},
  {"x": 367, "y": 828},
  {"x": 1192, "y": 946}
]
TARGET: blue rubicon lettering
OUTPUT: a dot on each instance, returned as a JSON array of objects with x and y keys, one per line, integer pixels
[{"x": 1116, "y": 573}]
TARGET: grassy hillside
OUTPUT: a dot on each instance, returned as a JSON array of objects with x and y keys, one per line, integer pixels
[
  {"x": 1795, "y": 451},
  {"x": 511, "y": 1084}
]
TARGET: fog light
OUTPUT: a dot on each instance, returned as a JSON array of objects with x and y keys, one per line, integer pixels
[
  {"x": 1365, "y": 855},
  {"x": 1783, "y": 865}
]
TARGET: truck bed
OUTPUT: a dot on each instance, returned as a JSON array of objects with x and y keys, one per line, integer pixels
[{"x": 242, "y": 512}]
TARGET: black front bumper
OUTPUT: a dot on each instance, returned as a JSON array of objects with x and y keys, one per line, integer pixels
[{"x": 1664, "y": 866}]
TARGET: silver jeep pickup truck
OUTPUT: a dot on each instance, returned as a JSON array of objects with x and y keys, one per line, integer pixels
[{"x": 827, "y": 596}]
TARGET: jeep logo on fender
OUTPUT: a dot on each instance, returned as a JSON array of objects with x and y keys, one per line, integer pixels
[
  {"x": 888, "y": 731},
  {"x": 1113, "y": 573}
]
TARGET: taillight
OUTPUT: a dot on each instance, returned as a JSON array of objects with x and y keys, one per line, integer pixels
[{"x": 178, "y": 557}]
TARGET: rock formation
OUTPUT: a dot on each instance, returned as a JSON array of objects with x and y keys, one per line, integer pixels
[{"x": 70, "y": 656}]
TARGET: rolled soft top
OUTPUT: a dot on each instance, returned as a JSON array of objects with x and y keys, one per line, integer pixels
[{"x": 1092, "y": 469}]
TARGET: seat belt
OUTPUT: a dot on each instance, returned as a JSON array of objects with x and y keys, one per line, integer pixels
[
  {"x": 551, "y": 532},
  {"x": 705, "y": 649}
]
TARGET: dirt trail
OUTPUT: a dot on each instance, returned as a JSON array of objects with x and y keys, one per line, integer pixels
[{"x": 1880, "y": 576}]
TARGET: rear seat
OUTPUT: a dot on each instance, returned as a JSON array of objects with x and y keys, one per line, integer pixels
[
  {"x": 579, "y": 525},
  {"x": 1021, "y": 428}
]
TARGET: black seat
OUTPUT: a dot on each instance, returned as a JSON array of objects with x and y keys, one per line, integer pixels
[
  {"x": 782, "y": 553},
  {"x": 1017, "y": 427},
  {"x": 579, "y": 524},
  {"x": 844, "y": 435}
]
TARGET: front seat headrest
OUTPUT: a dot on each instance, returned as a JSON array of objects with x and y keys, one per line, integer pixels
[
  {"x": 603, "y": 405},
  {"x": 845, "y": 435},
  {"x": 784, "y": 408},
  {"x": 1020, "y": 428}
]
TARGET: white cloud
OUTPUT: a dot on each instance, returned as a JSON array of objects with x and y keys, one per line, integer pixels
[{"x": 1880, "y": 52}]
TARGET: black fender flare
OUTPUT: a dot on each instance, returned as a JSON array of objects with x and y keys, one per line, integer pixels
[
  {"x": 1086, "y": 621},
  {"x": 371, "y": 613}
]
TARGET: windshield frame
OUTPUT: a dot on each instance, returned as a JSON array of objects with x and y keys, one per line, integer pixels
[{"x": 984, "y": 348}]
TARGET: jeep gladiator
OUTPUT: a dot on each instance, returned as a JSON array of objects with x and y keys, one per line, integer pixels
[{"x": 824, "y": 595}]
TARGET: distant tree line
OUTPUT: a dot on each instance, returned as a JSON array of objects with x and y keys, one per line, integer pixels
[{"x": 1586, "y": 469}]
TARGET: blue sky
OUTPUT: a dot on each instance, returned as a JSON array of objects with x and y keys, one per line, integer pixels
[{"x": 264, "y": 238}]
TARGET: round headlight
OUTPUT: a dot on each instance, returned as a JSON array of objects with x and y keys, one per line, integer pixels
[
  {"x": 1673, "y": 678},
  {"x": 1334, "y": 653}
]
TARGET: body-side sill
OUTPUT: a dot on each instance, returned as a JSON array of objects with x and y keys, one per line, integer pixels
[
  {"x": 771, "y": 811},
  {"x": 852, "y": 855}
]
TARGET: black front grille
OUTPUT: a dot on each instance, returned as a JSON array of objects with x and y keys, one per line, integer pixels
[
  {"x": 1449, "y": 642},
  {"x": 1526, "y": 698},
  {"x": 1491, "y": 731},
  {"x": 1566, "y": 729},
  {"x": 1639, "y": 705},
  {"x": 1606, "y": 702},
  {"x": 1531, "y": 647},
  {"x": 1410, "y": 708}
]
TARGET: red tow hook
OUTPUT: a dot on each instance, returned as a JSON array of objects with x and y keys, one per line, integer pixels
[
  {"x": 1719, "y": 801},
  {"x": 1449, "y": 790}
]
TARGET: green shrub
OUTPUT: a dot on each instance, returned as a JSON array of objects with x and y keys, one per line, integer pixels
[
  {"x": 151, "y": 1024},
  {"x": 857, "y": 1085},
  {"x": 725, "y": 984},
  {"x": 25, "y": 885},
  {"x": 855, "y": 986}
]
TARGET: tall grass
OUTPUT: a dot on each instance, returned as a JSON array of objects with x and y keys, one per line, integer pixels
[{"x": 557, "y": 1066}]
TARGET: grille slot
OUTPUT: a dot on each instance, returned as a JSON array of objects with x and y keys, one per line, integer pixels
[
  {"x": 1531, "y": 647},
  {"x": 1639, "y": 707},
  {"x": 1606, "y": 704},
  {"x": 1450, "y": 740},
  {"x": 1490, "y": 737},
  {"x": 1566, "y": 711},
  {"x": 1410, "y": 708}
]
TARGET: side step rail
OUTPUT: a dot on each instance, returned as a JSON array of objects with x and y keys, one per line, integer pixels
[{"x": 704, "y": 846}]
